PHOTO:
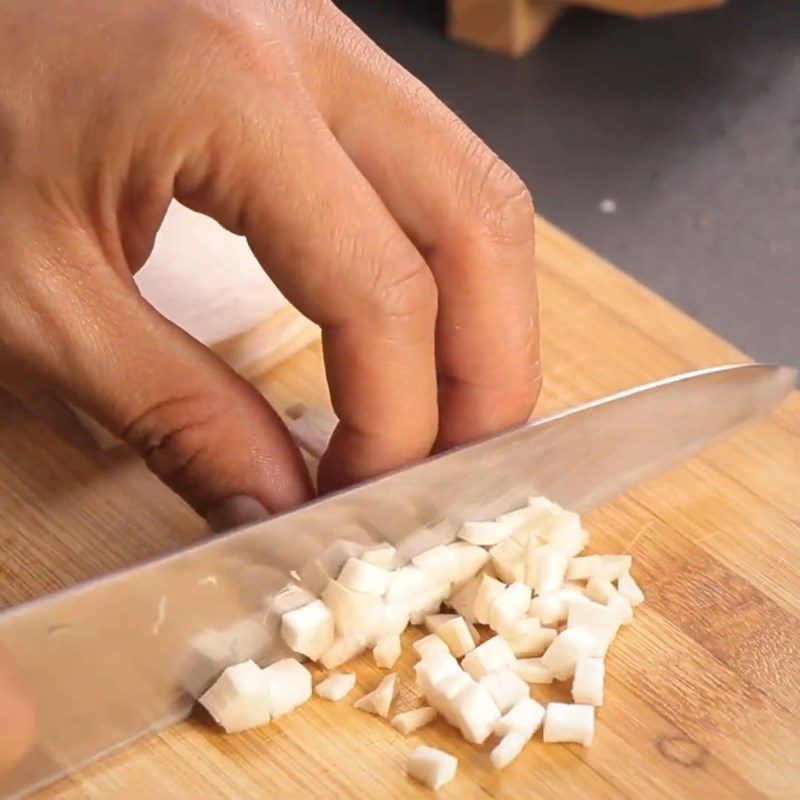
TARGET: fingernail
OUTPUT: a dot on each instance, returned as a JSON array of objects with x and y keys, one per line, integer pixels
[{"x": 235, "y": 511}]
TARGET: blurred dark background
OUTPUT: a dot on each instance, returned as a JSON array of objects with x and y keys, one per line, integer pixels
[{"x": 688, "y": 125}]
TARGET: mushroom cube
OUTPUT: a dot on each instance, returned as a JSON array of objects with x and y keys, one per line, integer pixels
[
  {"x": 569, "y": 723},
  {"x": 505, "y": 687},
  {"x": 308, "y": 629},
  {"x": 507, "y": 750},
  {"x": 587, "y": 685},
  {"x": 240, "y": 698},
  {"x": 430, "y": 766},
  {"x": 289, "y": 684},
  {"x": 335, "y": 687},
  {"x": 492, "y": 654}
]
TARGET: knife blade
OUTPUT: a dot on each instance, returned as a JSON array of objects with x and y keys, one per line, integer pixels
[{"x": 125, "y": 655}]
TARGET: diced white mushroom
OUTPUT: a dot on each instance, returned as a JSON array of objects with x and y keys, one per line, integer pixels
[
  {"x": 240, "y": 698},
  {"x": 429, "y": 602},
  {"x": 365, "y": 704},
  {"x": 485, "y": 533},
  {"x": 335, "y": 687},
  {"x": 569, "y": 723},
  {"x": 361, "y": 576},
  {"x": 450, "y": 684},
  {"x": 379, "y": 700},
  {"x": 549, "y": 608},
  {"x": 489, "y": 590},
  {"x": 538, "y": 502},
  {"x": 518, "y": 518},
  {"x": 476, "y": 712},
  {"x": 457, "y": 636},
  {"x": 621, "y": 607},
  {"x": 569, "y": 647},
  {"x": 507, "y": 750},
  {"x": 492, "y": 654},
  {"x": 602, "y": 622},
  {"x": 565, "y": 532},
  {"x": 614, "y": 567},
  {"x": 532, "y": 516},
  {"x": 505, "y": 687},
  {"x": 334, "y": 558},
  {"x": 289, "y": 598},
  {"x": 429, "y": 670},
  {"x": 314, "y": 576},
  {"x": 546, "y": 567},
  {"x": 600, "y": 590},
  {"x": 628, "y": 588},
  {"x": 526, "y": 539},
  {"x": 517, "y": 628},
  {"x": 406, "y": 584},
  {"x": 525, "y": 717},
  {"x": 475, "y": 633},
  {"x": 383, "y": 556},
  {"x": 430, "y": 645},
  {"x": 433, "y": 621},
  {"x": 587, "y": 685},
  {"x": 289, "y": 685},
  {"x": 387, "y": 651},
  {"x": 356, "y": 615},
  {"x": 581, "y": 568},
  {"x": 437, "y": 563},
  {"x": 395, "y": 619},
  {"x": 468, "y": 560},
  {"x": 342, "y": 650},
  {"x": 508, "y": 559},
  {"x": 431, "y": 767},
  {"x": 308, "y": 629},
  {"x": 410, "y": 721},
  {"x": 383, "y": 696},
  {"x": 534, "y": 643},
  {"x": 531, "y": 670},
  {"x": 463, "y": 601},
  {"x": 511, "y": 605}
]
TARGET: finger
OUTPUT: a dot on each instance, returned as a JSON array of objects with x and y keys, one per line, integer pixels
[
  {"x": 329, "y": 244},
  {"x": 17, "y": 716},
  {"x": 467, "y": 213},
  {"x": 74, "y": 327}
]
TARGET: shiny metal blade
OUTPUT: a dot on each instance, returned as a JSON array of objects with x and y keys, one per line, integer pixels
[{"x": 122, "y": 656}]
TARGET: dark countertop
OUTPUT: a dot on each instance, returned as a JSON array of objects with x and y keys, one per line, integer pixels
[{"x": 689, "y": 123}]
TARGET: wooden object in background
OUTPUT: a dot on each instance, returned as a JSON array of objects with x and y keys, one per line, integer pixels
[
  {"x": 702, "y": 690},
  {"x": 512, "y": 27},
  {"x": 505, "y": 26}
]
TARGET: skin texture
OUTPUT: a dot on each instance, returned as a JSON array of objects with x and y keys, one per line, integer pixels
[{"x": 372, "y": 207}]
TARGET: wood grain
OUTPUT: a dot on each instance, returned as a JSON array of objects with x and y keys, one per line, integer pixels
[{"x": 703, "y": 689}]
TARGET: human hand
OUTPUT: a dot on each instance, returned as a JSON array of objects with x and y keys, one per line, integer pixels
[
  {"x": 372, "y": 207},
  {"x": 16, "y": 714}
]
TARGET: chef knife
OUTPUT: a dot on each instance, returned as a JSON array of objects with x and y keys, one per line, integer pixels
[{"x": 122, "y": 656}]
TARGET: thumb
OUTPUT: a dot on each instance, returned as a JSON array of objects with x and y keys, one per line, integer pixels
[
  {"x": 17, "y": 724},
  {"x": 85, "y": 332}
]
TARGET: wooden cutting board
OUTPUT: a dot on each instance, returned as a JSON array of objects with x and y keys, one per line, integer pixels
[{"x": 703, "y": 690}]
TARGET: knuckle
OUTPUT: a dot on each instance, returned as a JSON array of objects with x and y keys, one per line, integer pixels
[
  {"x": 232, "y": 33},
  {"x": 171, "y": 434},
  {"x": 403, "y": 286},
  {"x": 504, "y": 207}
]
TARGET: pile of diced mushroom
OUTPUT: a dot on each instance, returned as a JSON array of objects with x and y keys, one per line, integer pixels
[{"x": 552, "y": 614}]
